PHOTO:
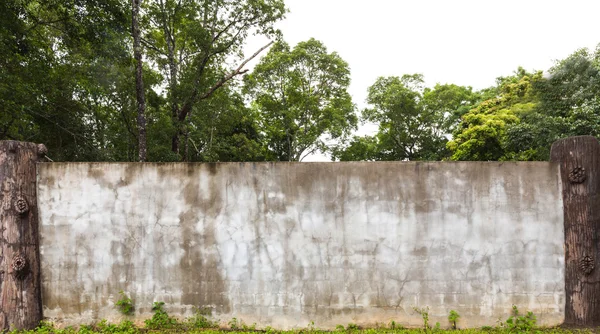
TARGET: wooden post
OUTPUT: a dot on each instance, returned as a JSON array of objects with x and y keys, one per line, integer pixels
[
  {"x": 20, "y": 293},
  {"x": 579, "y": 159}
]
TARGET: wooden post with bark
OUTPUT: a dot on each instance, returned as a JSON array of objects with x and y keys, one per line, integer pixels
[
  {"x": 20, "y": 291},
  {"x": 579, "y": 159}
]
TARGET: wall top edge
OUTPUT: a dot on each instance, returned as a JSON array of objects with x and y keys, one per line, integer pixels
[{"x": 498, "y": 163}]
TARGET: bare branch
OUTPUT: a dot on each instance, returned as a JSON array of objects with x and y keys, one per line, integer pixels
[
  {"x": 195, "y": 146},
  {"x": 149, "y": 45},
  {"x": 311, "y": 151},
  {"x": 187, "y": 107},
  {"x": 239, "y": 70}
]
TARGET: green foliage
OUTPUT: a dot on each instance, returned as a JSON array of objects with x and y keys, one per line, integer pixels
[
  {"x": 365, "y": 148},
  {"x": 520, "y": 323},
  {"x": 63, "y": 82},
  {"x": 124, "y": 304},
  {"x": 161, "y": 319},
  {"x": 572, "y": 83},
  {"x": 424, "y": 312},
  {"x": 124, "y": 326},
  {"x": 191, "y": 42},
  {"x": 529, "y": 112},
  {"x": 394, "y": 325},
  {"x": 45, "y": 327},
  {"x": 86, "y": 329},
  {"x": 352, "y": 327},
  {"x": 233, "y": 323},
  {"x": 482, "y": 133},
  {"x": 67, "y": 75},
  {"x": 449, "y": 102},
  {"x": 453, "y": 318},
  {"x": 407, "y": 130},
  {"x": 236, "y": 324},
  {"x": 302, "y": 99},
  {"x": 200, "y": 320},
  {"x": 67, "y": 80},
  {"x": 249, "y": 327},
  {"x": 414, "y": 122},
  {"x": 225, "y": 130},
  {"x": 569, "y": 105}
]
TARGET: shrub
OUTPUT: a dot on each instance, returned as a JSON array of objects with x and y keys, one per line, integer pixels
[
  {"x": 124, "y": 304},
  {"x": 161, "y": 319}
]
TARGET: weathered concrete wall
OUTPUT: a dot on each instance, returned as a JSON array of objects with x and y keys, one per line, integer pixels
[{"x": 283, "y": 244}]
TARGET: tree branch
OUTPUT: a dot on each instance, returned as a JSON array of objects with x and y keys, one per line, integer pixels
[
  {"x": 187, "y": 107},
  {"x": 233, "y": 22},
  {"x": 239, "y": 70},
  {"x": 151, "y": 46}
]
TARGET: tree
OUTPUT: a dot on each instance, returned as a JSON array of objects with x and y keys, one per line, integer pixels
[
  {"x": 191, "y": 40},
  {"x": 139, "y": 80},
  {"x": 482, "y": 132},
  {"x": 68, "y": 71},
  {"x": 568, "y": 105},
  {"x": 530, "y": 112},
  {"x": 365, "y": 148},
  {"x": 450, "y": 102},
  {"x": 573, "y": 82},
  {"x": 61, "y": 75},
  {"x": 413, "y": 120},
  {"x": 405, "y": 130},
  {"x": 225, "y": 129},
  {"x": 302, "y": 99}
]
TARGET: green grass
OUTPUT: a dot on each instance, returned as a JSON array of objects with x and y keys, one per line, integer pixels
[
  {"x": 127, "y": 327},
  {"x": 162, "y": 322}
]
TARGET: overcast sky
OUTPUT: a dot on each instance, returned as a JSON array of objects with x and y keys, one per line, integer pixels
[{"x": 465, "y": 42}]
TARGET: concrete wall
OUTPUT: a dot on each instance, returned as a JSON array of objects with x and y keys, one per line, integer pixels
[{"x": 283, "y": 244}]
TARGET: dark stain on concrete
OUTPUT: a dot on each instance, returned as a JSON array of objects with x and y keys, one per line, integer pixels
[
  {"x": 96, "y": 172},
  {"x": 201, "y": 281},
  {"x": 420, "y": 252},
  {"x": 213, "y": 168},
  {"x": 49, "y": 181},
  {"x": 319, "y": 186},
  {"x": 68, "y": 295}
]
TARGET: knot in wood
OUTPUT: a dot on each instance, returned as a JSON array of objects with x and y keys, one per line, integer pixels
[
  {"x": 21, "y": 205},
  {"x": 586, "y": 265},
  {"x": 577, "y": 175},
  {"x": 19, "y": 266},
  {"x": 42, "y": 150}
]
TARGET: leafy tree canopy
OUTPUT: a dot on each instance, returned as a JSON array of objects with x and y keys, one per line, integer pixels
[
  {"x": 301, "y": 96},
  {"x": 481, "y": 134},
  {"x": 569, "y": 105},
  {"x": 414, "y": 122}
]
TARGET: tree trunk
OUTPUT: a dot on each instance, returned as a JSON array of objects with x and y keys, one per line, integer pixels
[
  {"x": 173, "y": 73},
  {"x": 579, "y": 159},
  {"x": 20, "y": 293},
  {"x": 139, "y": 80}
]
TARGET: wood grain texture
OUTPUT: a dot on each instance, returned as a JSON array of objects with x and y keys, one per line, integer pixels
[
  {"x": 20, "y": 295},
  {"x": 579, "y": 159}
]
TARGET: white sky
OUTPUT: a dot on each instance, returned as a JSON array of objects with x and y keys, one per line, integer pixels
[{"x": 465, "y": 42}]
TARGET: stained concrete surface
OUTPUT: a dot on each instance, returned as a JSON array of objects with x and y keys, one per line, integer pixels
[{"x": 284, "y": 244}]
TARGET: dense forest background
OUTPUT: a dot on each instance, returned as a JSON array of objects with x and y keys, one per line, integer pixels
[{"x": 166, "y": 80}]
